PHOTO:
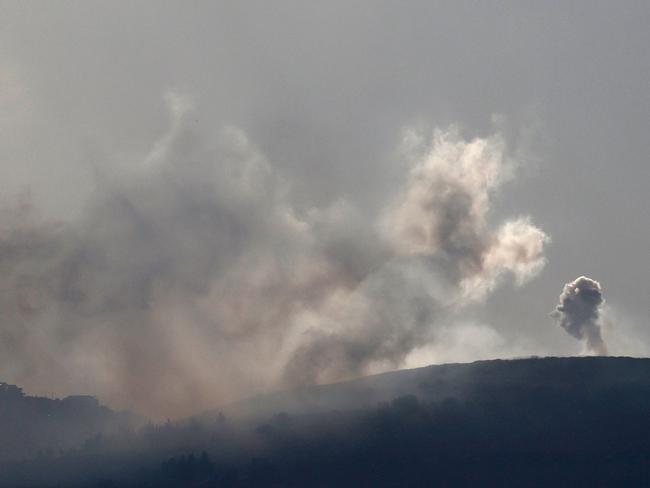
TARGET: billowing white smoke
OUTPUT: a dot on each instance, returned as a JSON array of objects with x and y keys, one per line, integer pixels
[
  {"x": 443, "y": 255},
  {"x": 195, "y": 280},
  {"x": 443, "y": 212},
  {"x": 579, "y": 313}
]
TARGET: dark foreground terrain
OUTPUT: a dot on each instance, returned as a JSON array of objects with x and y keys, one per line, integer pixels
[{"x": 529, "y": 422}]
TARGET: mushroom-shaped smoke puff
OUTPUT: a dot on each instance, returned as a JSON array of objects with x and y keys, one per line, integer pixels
[{"x": 579, "y": 313}]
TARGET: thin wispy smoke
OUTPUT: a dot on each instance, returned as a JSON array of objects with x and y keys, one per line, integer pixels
[
  {"x": 194, "y": 279},
  {"x": 579, "y": 313}
]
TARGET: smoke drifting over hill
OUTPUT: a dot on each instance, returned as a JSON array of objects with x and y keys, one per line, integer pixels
[
  {"x": 194, "y": 279},
  {"x": 579, "y": 313}
]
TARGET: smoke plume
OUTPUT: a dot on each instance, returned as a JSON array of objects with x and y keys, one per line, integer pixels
[
  {"x": 194, "y": 279},
  {"x": 579, "y": 313}
]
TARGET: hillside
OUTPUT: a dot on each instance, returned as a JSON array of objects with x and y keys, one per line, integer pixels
[
  {"x": 462, "y": 381},
  {"x": 526, "y": 422},
  {"x": 31, "y": 425}
]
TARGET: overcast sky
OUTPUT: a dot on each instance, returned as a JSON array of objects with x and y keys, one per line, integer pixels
[{"x": 325, "y": 91}]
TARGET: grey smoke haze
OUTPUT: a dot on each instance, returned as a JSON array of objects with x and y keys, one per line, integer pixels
[
  {"x": 579, "y": 313},
  {"x": 154, "y": 250},
  {"x": 193, "y": 279}
]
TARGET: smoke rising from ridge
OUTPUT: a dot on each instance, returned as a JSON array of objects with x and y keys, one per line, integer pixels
[
  {"x": 444, "y": 255},
  {"x": 194, "y": 279},
  {"x": 579, "y": 313}
]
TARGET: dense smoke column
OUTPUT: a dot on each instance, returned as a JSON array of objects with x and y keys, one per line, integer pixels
[{"x": 579, "y": 313}]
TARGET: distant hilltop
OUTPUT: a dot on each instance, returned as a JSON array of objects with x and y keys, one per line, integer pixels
[
  {"x": 10, "y": 392},
  {"x": 454, "y": 380},
  {"x": 32, "y": 424}
]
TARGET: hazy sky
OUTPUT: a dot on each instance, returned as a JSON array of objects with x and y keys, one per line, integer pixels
[{"x": 324, "y": 93}]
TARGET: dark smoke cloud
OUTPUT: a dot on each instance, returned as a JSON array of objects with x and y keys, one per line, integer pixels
[
  {"x": 194, "y": 279},
  {"x": 579, "y": 313}
]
